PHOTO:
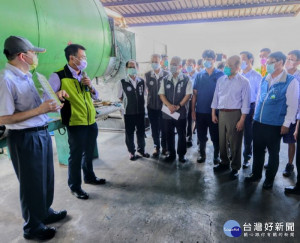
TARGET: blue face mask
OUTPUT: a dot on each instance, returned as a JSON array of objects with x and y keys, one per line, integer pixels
[
  {"x": 131, "y": 71},
  {"x": 155, "y": 66},
  {"x": 173, "y": 69},
  {"x": 244, "y": 65},
  {"x": 227, "y": 71},
  {"x": 271, "y": 68},
  {"x": 207, "y": 64},
  {"x": 189, "y": 69}
]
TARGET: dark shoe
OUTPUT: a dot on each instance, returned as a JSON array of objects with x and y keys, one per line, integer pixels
[
  {"x": 164, "y": 152},
  {"x": 234, "y": 174},
  {"x": 170, "y": 158},
  {"x": 246, "y": 164},
  {"x": 155, "y": 153},
  {"x": 80, "y": 194},
  {"x": 182, "y": 159},
  {"x": 266, "y": 165},
  {"x": 134, "y": 157},
  {"x": 55, "y": 216},
  {"x": 288, "y": 170},
  {"x": 217, "y": 160},
  {"x": 96, "y": 181},
  {"x": 145, "y": 155},
  {"x": 201, "y": 159},
  {"x": 267, "y": 184},
  {"x": 292, "y": 190},
  {"x": 45, "y": 233},
  {"x": 252, "y": 178},
  {"x": 221, "y": 167},
  {"x": 189, "y": 142}
]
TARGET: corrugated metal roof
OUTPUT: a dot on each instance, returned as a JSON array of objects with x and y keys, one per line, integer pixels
[{"x": 164, "y": 12}]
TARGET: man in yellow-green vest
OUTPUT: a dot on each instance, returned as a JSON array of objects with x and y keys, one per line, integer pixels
[{"x": 78, "y": 114}]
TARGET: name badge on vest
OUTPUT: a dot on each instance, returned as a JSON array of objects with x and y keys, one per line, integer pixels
[
  {"x": 179, "y": 88},
  {"x": 129, "y": 88},
  {"x": 141, "y": 90},
  {"x": 151, "y": 83},
  {"x": 168, "y": 86}
]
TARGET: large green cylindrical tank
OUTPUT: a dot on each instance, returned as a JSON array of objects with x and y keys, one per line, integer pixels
[{"x": 53, "y": 24}]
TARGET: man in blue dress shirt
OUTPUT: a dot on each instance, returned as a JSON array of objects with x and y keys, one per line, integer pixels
[
  {"x": 203, "y": 92},
  {"x": 29, "y": 142},
  {"x": 254, "y": 79}
]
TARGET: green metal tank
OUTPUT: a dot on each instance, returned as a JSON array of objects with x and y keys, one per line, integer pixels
[{"x": 53, "y": 24}]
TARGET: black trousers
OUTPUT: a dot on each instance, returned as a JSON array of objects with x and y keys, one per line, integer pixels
[
  {"x": 298, "y": 160},
  {"x": 132, "y": 123},
  {"x": 82, "y": 142},
  {"x": 204, "y": 123},
  {"x": 248, "y": 134},
  {"x": 180, "y": 125},
  {"x": 189, "y": 131},
  {"x": 158, "y": 133},
  {"x": 266, "y": 136},
  {"x": 32, "y": 158}
]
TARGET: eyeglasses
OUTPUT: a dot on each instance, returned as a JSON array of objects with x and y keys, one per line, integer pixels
[{"x": 81, "y": 58}]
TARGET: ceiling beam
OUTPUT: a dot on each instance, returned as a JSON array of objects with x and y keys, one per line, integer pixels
[
  {"x": 193, "y": 21},
  {"x": 132, "y": 2},
  {"x": 273, "y": 3}
]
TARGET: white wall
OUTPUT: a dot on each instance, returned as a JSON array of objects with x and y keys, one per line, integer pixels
[{"x": 189, "y": 40}]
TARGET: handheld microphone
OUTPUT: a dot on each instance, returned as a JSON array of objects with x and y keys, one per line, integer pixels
[{"x": 84, "y": 75}]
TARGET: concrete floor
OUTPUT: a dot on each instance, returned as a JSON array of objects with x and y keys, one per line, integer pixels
[{"x": 149, "y": 201}]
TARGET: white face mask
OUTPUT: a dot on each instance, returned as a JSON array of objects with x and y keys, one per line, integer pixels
[
  {"x": 173, "y": 69},
  {"x": 35, "y": 62}
]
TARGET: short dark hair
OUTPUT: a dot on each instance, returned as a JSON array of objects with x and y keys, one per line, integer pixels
[
  {"x": 209, "y": 54},
  {"x": 221, "y": 65},
  {"x": 248, "y": 54},
  {"x": 278, "y": 56},
  {"x": 266, "y": 50},
  {"x": 72, "y": 50},
  {"x": 136, "y": 63},
  {"x": 183, "y": 62},
  {"x": 296, "y": 53},
  {"x": 9, "y": 56},
  {"x": 192, "y": 60},
  {"x": 200, "y": 61}
]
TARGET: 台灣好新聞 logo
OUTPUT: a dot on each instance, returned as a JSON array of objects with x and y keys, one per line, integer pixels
[{"x": 232, "y": 228}]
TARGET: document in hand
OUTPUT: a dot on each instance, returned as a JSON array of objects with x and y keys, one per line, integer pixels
[
  {"x": 166, "y": 110},
  {"x": 47, "y": 88}
]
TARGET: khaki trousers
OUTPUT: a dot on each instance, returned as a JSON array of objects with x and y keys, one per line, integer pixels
[{"x": 229, "y": 134}]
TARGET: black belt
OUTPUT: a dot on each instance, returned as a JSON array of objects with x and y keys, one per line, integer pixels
[{"x": 31, "y": 129}]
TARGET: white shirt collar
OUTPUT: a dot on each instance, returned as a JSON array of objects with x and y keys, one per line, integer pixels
[
  {"x": 280, "y": 78},
  {"x": 160, "y": 74},
  {"x": 128, "y": 79},
  {"x": 180, "y": 77}
]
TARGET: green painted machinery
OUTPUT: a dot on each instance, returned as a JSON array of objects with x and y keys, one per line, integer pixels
[{"x": 53, "y": 24}]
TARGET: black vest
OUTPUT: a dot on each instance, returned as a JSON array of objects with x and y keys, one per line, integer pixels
[
  {"x": 153, "y": 85},
  {"x": 134, "y": 100},
  {"x": 175, "y": 94}
]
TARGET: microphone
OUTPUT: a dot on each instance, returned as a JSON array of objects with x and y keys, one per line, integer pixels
[{"x": 84, "y": 75}]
